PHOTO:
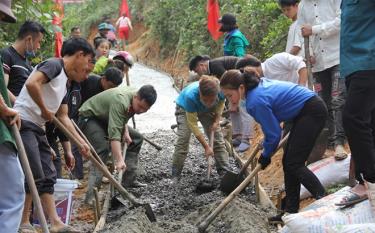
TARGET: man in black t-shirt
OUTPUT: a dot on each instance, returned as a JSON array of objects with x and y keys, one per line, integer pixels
[
  {"x": 16, "y": 64},
  {"x": 95, "y": 84},
  {"x": 204, "y": 65}
]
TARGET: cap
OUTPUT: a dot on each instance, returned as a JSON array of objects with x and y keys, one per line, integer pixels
[
  {"x": 7, "y": 11},
  {"x": 228, "y": 19},
  {"x": 104, "y": 26},
  {"x": 125, "y": 57}
]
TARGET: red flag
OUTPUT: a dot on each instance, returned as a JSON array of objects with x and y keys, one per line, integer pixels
[
  {"x": 124, "y": 8},
  {"x": 57, "y": 22},
  {"x": 213, "y": 15}
]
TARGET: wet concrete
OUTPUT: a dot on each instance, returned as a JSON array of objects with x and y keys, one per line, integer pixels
[
  {"x": 178, "y": 208},
  {"x": 161, "y": 115}
]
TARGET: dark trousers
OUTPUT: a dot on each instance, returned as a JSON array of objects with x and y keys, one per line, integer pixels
[
  {"x": 39, "y": 155},
  {"x": 359, "y": 122},
  {"x": 306, "y": 129},
  {"x": 331, "y": 88}
]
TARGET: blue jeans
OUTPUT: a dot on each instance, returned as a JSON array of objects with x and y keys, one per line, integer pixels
[{"x": 12, "y": 193}]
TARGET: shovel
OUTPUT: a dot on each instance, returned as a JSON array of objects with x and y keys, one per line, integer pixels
[
  {"x": 149, "y": 212},
  {"x": 204, "y": 224},
  {"x": 322, "y": 141},
  {"x": 115, "y": 199},
  {"x": 208, "y": 185},
  {"x": 231, "y": 180}
]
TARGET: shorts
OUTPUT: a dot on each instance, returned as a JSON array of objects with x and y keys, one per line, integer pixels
[{"x": 123, "y": 33}]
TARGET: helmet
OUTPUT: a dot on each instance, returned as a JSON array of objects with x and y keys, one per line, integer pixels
[
  {"x": 125, "y": 57},
  {"x": 104, "y": 26}
]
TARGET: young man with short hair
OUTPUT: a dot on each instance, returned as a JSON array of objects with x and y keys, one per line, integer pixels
[
  {"x": 16, "y": 57},
  {"x": 11, "y": 176},
  {"x": 95, "y": 84},
  {"x": 106, "y": 115},
  {"x": 75, "y": 32},
  {"x": 294, "y": 44},
  {"x": 43, "y": 96}
]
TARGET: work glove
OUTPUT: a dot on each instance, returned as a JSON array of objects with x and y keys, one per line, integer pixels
[{"x": 264, "y": 161}]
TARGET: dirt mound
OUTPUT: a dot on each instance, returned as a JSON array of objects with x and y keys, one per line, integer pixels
[{"x": 178, "y": 207}]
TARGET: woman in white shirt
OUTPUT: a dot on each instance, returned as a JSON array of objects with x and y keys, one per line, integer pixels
[{"x": 124, "y": 24}]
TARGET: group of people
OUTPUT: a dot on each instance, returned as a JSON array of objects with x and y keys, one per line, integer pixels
[
  {"x": 62, "y": 88},
  {"x": 269, "y": 92},
  {"x": 275, "y": 91},
  {"x": 107, "y": 31}
]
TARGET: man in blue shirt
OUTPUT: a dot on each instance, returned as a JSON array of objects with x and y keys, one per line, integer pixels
[{"x": 357, "y": 58}]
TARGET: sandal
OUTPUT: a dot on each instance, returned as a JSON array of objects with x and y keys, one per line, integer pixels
[
  {"x": 340, "y": 153},
  {"x": 351, "y": 199},
  {"x": 65, "y": 229},
  {"x": 27, "y": 228}
]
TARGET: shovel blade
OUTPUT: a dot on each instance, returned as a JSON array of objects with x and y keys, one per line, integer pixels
[
  {"x": 149, "y": 212},
  {"x": 229, "y": 182}
]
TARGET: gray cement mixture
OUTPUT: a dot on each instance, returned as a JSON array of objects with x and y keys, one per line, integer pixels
[{"x": 178, "y": 208}]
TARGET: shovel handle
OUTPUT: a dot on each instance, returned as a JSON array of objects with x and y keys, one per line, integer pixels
[
  {"x": 306, "y": 41},
  {"x": 96, "y": 156},
  {"x": 210, "y": 159},
  {"x": 121, "y": 172},
  {"x": 97, "y": 164},
  {"x": 29, "y": 178},
  {"x": 203, "y": 225}
]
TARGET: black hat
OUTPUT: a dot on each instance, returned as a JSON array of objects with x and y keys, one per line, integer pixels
[
  {"x": 7, "y": 11},
  {"x": 228, "y": 19}
]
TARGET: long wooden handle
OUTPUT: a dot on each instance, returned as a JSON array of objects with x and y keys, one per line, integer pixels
[
  {"x": 308, "y": 63},
  {"x": 97, "y": 164},
  {"x": 29, "y": 178},
  {"x": 92, "y": 149},
  {"x": 121, "y": 172},
  {"x": 203, "y": 225},
  {"x": 210, "y": 159},
  {"x": 248, "y": 162}
]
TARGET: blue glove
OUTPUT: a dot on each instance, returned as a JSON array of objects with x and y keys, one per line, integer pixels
[{"x": 264, "y": 161}]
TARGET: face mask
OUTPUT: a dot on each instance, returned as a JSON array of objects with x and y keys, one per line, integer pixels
[{"x": 30, "y": 54}]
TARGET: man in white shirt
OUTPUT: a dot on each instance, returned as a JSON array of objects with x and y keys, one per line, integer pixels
[
  {"x": 294, "y": 44},
  {"x": 320, "y": 20},
  {"x": 281, "y": 66}
]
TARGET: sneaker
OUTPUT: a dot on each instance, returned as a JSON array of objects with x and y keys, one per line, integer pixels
[
  {"x": 244, "y": 146},
  {"x": 236, "y": 142},
  {"x": 136, "y": 184},
  {"x": 274, "y": 220}
]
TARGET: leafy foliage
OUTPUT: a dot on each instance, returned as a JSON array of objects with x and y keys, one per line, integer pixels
[{"x": 30, "y": 10}]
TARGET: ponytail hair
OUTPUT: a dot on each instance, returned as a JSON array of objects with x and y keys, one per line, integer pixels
[
  {"x": 209, "y": 85},
  {"x": 232, "y": 79}
]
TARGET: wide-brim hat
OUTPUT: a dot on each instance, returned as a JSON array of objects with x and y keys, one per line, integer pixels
[{"x": 5, "y": 7}]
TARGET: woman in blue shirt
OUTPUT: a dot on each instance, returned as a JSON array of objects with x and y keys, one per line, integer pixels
[
  {"x": 271, "y": 102},
  {"x": 201, "y": 101}
]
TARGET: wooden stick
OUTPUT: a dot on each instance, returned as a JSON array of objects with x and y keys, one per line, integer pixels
[
  {"x": 97, "y": 203},
  {"x": 103, "y": 217},
  {"x": 29, "y": 178},
  {"x": 96, "y": 214},
  {"x": 308, "y": 63}
]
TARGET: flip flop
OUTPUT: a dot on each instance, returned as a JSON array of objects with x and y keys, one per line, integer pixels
[
  {"x": 27, "y": 228},
  {"x": 351, "y": 199},
  {"x": 65, "y": 229},
  {"x": 341, "y": 156}
]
